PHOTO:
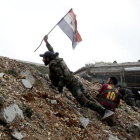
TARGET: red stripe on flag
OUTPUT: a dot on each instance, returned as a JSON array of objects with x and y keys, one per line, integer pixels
[{"x": 77, "y": 35}]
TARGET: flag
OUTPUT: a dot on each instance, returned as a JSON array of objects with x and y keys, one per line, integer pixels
[{"x": 68, "y": 24}]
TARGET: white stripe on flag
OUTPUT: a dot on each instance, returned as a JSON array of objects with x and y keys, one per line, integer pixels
[
  {"x": 70, "y": 21},
  {"x": 66, "y": 29}
]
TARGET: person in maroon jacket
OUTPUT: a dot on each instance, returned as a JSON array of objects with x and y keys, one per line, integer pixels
[{"x": 109, "y": 96}]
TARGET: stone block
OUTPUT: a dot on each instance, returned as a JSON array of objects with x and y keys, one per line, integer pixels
[
  {"x": 1, "y": 75},
  {"x": 28, "y": 75},
  {"x": 8, "y": 114},
  {"x": 26, "y": 83},
  {"x": 17, "y": 135},
  {"x": 54, "y": 102},
  {"x": 84, "y": 121}
]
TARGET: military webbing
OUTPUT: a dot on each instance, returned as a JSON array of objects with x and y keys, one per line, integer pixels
[
  {"x": 100, "y": 98},
  {"x": 112, "y": 89},
  {"x": 103, "y": 99},
  {"x": 66, "y": 72},
  {"x": 59, "y": 63}
]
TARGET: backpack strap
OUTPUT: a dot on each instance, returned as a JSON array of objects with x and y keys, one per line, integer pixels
[
  {"x": 108, "y": 101},
  {"x": 100, "y": 98},
  {"x": 112, "y": 90}
]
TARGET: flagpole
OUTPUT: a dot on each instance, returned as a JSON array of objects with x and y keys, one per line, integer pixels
[{"x": 53, "y": 28}]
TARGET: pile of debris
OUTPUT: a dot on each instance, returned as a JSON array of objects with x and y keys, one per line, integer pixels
[{"x": 31, "y": 109}]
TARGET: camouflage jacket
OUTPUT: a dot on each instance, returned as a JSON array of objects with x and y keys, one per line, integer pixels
[
  {"x": 50, "y": 48},
  {"x": 60, "y": 74},
  {"x": 126, "y": 93}
]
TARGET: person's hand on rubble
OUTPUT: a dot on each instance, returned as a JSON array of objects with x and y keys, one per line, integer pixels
[{"x": 46, "y": 39}]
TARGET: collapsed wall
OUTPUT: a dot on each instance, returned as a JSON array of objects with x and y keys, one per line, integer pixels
[{"x": 31, "y": 109}]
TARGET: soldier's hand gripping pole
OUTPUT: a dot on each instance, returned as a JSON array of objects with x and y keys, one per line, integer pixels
[
  {"x": 50, "y": 48},
  {"x": 53, "y": 28}
]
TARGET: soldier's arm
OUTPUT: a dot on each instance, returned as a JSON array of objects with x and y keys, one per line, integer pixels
[{"x": 50, "y": 48}]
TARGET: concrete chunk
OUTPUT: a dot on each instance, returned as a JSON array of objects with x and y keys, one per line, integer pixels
[
  {"x": 1, "y": 75},
  {"x": 54, "y": 102},
  {"x": 26, "y": 83},
  {"x": 135, "y": 129},
  {"x": 84, "y": 121},
  {"x": 111, "y": 137},
  {"x": 17, "y": 135},
  {"x": 28, "y": 75},
  {"x": 9, "y": 113}
]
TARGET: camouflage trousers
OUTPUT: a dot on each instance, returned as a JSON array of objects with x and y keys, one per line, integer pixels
[{"x": 86, "y": 100}]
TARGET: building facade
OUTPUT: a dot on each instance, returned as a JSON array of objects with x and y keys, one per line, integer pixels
[{"x": 128, "y": 74}]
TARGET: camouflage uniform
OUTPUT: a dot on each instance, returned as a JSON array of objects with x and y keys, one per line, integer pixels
[
  {"x": 61, "y": 76},
  {"x": 127, "y": 96},
  {"x": 138, "y": 103}
]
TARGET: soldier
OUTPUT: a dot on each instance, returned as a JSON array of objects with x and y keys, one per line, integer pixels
[
  {"x": 61, "y": 76},
  {"x": 127, "y": 95}
]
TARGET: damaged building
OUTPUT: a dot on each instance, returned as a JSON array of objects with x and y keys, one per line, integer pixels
[{"x": 128, "y": 73}]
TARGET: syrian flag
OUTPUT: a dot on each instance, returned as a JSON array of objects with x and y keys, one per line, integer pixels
[{"x": 68, "y": 24}]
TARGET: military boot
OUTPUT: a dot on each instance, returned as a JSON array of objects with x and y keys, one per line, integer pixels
[{"x": 108, "y": 114}]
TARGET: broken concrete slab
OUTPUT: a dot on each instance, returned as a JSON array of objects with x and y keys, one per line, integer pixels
[
  {"x": 84, "y": 121},
  {"x": 59, "y": 121},
  {"x": 9, "y": 113},
  {"x": 17, "y": 135},
  {"x": 111, "y": 137},
  {"x": 1, "y": 75},
  {"x": 26, "y": 83},
  {"x": 28, "y": 75},
  {"x": 54, "y": 102},
  {"x": 135, "y": 129}
]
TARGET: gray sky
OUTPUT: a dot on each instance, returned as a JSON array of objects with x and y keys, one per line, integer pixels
[{"x": 110, "y": 30}]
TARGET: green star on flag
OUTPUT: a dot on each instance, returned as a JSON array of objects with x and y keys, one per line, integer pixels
[{"x": 71, "y": 23}]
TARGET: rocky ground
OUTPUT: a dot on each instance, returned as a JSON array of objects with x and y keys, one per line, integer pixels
[{"x": 31, "y": 109}]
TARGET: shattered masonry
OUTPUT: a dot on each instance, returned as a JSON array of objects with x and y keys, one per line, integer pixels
[{"x": 31, "y": 109}]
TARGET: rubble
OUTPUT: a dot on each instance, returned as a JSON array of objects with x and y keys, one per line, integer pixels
[
  {"x": 9, "y": 113},
  {"x": 54, "y": 102},
  {"x": 135, "y": 129},
  {"x": 26, "y": 83},
  {"x": 111, "y": 137},
  {"x": 17, "y": 135},
  {"x": 27, "y": 74},
  {"x": 38, "y": 111},
  {"x": 84, "y": 121},
  {"x": 1, "y": 74}
]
